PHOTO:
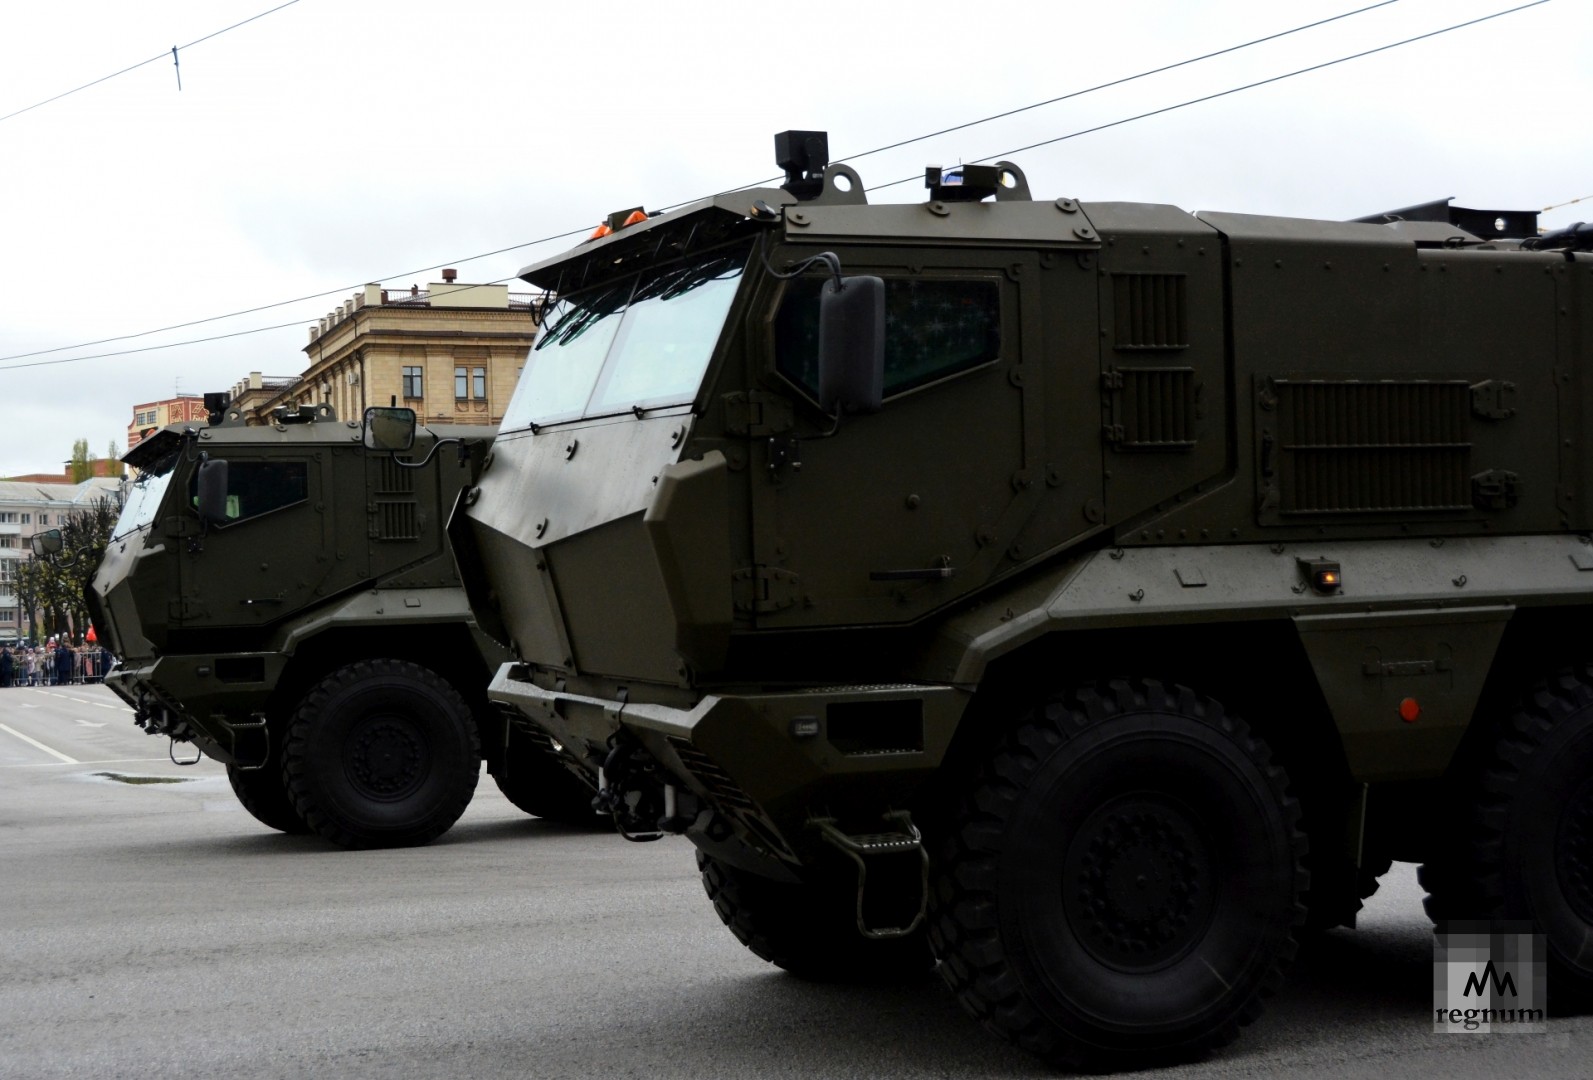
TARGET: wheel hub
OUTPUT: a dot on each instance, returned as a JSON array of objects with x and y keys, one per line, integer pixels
[
  {"x": 1138, "y": 882},
  {"x": 385, "y": 757}
]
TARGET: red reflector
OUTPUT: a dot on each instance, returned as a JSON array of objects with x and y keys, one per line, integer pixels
[{"x": 1409, "y": 710}]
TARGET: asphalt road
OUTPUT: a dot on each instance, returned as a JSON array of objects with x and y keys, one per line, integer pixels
[{"x": 155, "y": 929}]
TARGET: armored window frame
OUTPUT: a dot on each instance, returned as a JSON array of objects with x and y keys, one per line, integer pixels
[
  {"x": 909, "y": 365},
  {"x": 257, "y": 488}
]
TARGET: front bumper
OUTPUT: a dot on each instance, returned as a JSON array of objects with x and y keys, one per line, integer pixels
[
  {"x": 216, "y": 702},
  {"x": 765, "y": 762}
]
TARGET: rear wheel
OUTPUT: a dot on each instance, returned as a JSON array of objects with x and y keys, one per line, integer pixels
[
  {"x": 382, "y": 753},
  {"x": 539, "y": 785},
  {"x": 1529, "y": 852},
  {"x": 809, "y": 929},
  {"x": 1123, "y": 879}
]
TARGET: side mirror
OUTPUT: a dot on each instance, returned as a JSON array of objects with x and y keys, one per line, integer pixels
[
  {"x": 213, "y": 491},
  {"x": 389, "y": 429},
  {"x": 852, "y": 344},
  {"x": 47, "y": 543}
]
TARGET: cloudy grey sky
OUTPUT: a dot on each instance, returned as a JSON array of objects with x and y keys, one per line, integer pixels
[{"x": 332, "y": 143}]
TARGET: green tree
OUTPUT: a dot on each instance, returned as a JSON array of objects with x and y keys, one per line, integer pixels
[
  {"x": 29, "y": 584},
  {"x": 82, "y": 465},
  {"x": 56, "y": 585}
]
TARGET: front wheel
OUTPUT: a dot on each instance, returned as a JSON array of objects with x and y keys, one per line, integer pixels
[
  {"x": 1123, "y": 880},
  {"x": 264, "y": 793},
  {"x": 809, "y": 929},
  {"x": 535, "y": 782},
  {"x": 382, "y": 753}
]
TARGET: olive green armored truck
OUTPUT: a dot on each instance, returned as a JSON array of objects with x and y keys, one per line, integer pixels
[
  {"x": 288, "y": 602},
  {"x": 1092, "y": 596}
]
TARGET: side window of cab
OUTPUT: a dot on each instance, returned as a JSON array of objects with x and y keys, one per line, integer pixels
[
  {"x": 259, "y": 487},
  {"x": 934, "y": 328}
]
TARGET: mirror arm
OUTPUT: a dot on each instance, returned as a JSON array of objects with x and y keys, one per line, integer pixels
[{"x": 464, "y": 454}]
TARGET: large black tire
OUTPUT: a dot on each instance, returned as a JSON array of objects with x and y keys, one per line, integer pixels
[
  {"x": 1339, "y": 888},
  {"x": 1528, "y": 853},
  {"x": 809, "y": 930},
  {"x": 264, "y": 793},
  {"x": 1123, "y": 879},
  {"x": 382, "y": 753},
  {"x": 543, "y": 788}
]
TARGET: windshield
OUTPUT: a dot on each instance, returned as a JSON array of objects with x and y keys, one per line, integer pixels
[
  {"x": 641, "y": 343},
  {"x": 145, "y": 493}
]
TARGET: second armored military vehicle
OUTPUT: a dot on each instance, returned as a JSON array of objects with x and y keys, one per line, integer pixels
[
  {"x": 288, "y": 603},
  {"x": 1085, "y": 594}
]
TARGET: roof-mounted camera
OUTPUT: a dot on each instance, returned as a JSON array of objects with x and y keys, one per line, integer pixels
[{"x": 803, "y": 155}]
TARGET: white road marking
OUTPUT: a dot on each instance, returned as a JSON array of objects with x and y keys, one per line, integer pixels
[
  {"x": 39, "y": 745},
  {"x": 109, "y": 761},
  {"x": 120, "y": 707}
]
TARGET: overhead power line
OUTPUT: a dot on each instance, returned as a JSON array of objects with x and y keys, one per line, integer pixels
[
  {"x": 1234, "y": 90},
  {"x": 1568, "y": 202},
  {"x": 578, "y": 232},
  {"x": 172, "y": 52},
  {"x": 893, "y": 183},
  {"x": 1100, "y": 86}
]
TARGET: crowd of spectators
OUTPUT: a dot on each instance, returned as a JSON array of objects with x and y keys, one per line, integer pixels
[{"x": 55, "y": 663}]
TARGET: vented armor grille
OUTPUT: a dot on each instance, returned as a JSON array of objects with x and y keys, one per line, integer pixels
[{"x": 1355, "y": 447}]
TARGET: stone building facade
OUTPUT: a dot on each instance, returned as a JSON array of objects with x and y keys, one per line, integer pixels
[{"x": 452, "y": 352}]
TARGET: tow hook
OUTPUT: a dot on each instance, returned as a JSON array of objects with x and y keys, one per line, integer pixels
[
  {"x": 171, "y": 752},
  {"x": 639, "y": 795}
]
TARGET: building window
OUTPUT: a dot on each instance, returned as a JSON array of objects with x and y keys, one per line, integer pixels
[
  {"x": 27, "y": 519},
  {"x": 461, "y": 383},
  {"x": 8, "y": 517},
  {"x": 413, "y": 379},
  {"x": 478, "y": 383},
  {"x": 44, "y": 519},
  {"x": 8, "y": 541}
]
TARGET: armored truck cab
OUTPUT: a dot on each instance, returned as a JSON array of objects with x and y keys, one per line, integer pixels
[
  {"x": 1092, "y": 593},
  {"x": 288, "y": 603}
]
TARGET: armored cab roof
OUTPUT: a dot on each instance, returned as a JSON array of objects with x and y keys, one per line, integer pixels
[
  {"x": 836, "y": 209},
  {"x": 337, "y": 432}
]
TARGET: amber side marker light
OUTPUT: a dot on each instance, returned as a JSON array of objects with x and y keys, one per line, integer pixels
[
  {"x": 1323, "y": 575},
  {"x": 618, "y": 220}
]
